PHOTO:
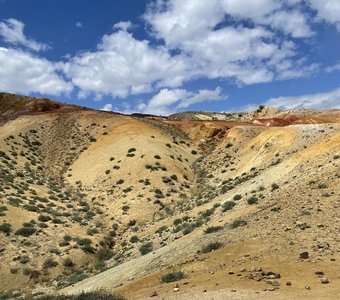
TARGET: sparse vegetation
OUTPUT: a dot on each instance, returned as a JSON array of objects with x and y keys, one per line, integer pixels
[
  {"x": 98, "y": 295},
  {"x": 182, "y": 181}
]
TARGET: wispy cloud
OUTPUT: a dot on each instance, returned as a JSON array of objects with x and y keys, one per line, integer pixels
[
  {"x": 325, "y": 100},
  {"x": 333, "y": 68}
]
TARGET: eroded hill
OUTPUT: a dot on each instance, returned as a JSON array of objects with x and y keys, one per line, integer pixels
[{"x": 83, "y": 191}]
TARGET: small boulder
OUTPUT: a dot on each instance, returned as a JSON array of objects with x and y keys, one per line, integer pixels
[
  {"x": 319, "y": 273},
  {"x": 324, "y": 280},
  {"x": 154, "y": 294}
]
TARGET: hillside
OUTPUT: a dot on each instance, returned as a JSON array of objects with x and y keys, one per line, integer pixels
[{"x": 95, "y": 200}]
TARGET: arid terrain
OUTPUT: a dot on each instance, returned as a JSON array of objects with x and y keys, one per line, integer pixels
[{"x": 191, "y": 206}]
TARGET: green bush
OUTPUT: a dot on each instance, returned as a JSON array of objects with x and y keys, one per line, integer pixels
[
  {"x": 49, "y": 263},
  {"x": 31, "y": 208},
  {"x": 238, "y": 223},
  {"x": 67, "y": 238},
  {"x": 24, "y": 259},
  {"x": 25, "y": 231},
  {"x": 173, "y": 276},
  {"x": 68, "y": 262},
  {"x": 212, "y": 229},
  {"x": 44, "y": 218},
  {"x": 208, "y": 212},
  {"x": 88, "y": 249},
  {"x": 146, "y": 248},
  {"x": 104, "y": 254},
  {"x": 322, "y": 186},
  {"x": 237, "y": 197},
  {"x": 83, "y": 242},
  {"x": 6, "y": 228},
  {"x": 187, "y": 228},
  {"x": 125, "y": 208},
  {"x": 134, "y": 239},
  {"x": 274, "y": 186},
  {"x": 177, "y": 222},
  {"x": 161, "y": 229},
  {"x": 228, "y": 205},
  {"x": 252, "y": 200},
  {"x": 211, "y": 247}
]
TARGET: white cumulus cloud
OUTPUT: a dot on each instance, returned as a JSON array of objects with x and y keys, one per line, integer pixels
[
  {"x": 107, "y": 107},
  {"x": 168, "y": 101},
  {"x": 25, "y": 73},
  {"x": 12, "y": 32},
  {"x": 123, "y": 65},
  {"x": 327, "y": 10}
]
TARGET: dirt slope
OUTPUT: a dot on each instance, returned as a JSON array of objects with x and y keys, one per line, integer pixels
[
  {"x": 287, "y": 221},
  {"x": 92, "y": 200}
]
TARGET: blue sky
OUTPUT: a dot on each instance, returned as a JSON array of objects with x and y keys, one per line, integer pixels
[{"x": 161, "y": 56}]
